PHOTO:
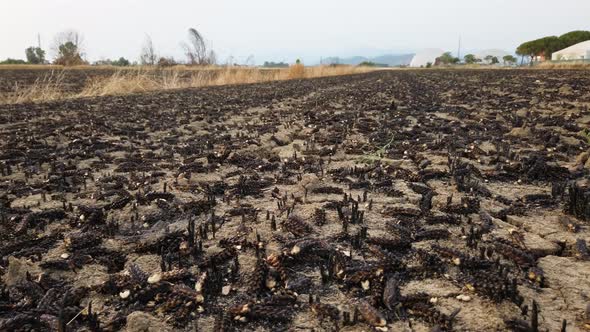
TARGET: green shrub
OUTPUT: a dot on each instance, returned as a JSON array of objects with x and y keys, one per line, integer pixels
[
  {"x": 367, "y": 64},
  {"x": 10, "y": 61}
]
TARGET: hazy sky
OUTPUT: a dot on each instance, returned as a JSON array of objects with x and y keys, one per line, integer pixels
[{"x": 283, "y": 30}]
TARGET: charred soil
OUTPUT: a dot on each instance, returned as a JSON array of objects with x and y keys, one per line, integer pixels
[{"x": 395, "y": 200}]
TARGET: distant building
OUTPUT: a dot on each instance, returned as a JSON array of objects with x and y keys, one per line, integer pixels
[
  {"x": 422, "y": 58},
  {"x": 539, "y": 57},
  {"x": 580, "y": 51}
]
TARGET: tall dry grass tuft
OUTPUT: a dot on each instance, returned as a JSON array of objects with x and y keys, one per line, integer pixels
[
  {"x": 296, "y": 71},
  {"x": 170, "y": 80},
  {"x": 47, "y": 88},
  {"x": 325, "y": 71},
  {"x": 121, "y": 82},
  {"x": 134, "y": 81},
  {"x": 127, "y": 81},
  {"x": 235, "y": 75}
]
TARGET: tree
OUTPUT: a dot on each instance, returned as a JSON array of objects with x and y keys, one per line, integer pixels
[
  {"x": 122, "y": 62},
  {"x": 196, "y": 49},
  {"x": 525, "y": 49},
  {"x": 148, "y": 53},
  {"x": 490, "y": 59},
  {"x": 35, "y": 55},
  {"x": 69, "y": 55},
  {"x": 509, "y": 59},
  {"x": 470, "y": 59},
  {"x": 272, "y": 64},
  {"x": 573, "y": 37},
  {"x": 68, "y": 47},
  {"x": 551, "y": 44},
  {"x": 167, "y": 62},
  {"x": 547, "y": 45},
  {"x": 446, "y": 59}
]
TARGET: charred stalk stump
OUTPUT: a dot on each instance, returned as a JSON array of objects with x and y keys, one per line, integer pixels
[{"x": 383, "y": 201}]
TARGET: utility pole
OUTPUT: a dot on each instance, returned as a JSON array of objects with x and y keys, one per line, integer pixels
[{"x": 39, "y": 40}]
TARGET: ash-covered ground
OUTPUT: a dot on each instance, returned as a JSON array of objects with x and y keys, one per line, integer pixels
[{"x": 396, "y": 200}]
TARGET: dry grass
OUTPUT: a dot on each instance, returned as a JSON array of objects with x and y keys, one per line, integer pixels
[
  {"x": 297, "y": 71},
  {"x": 130, "y": 82},
  {"x": 563, "y": 65},
  {"x": 127, "y": 81},
  {"x": 47, "y": 88}
]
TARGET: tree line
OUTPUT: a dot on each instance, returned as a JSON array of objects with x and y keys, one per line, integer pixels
[
  {"x": 547, "y": 45},
  {"x": 539, "y": 47},
  {"x": 448, "y": 59},
  {"x": 69, "y": 50}
]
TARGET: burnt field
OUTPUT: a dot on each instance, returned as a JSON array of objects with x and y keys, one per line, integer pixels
[
  {"x": 46, "y": 84},
  {"x": 397, "y": 200},
  {"x": 11, "y": 80}
]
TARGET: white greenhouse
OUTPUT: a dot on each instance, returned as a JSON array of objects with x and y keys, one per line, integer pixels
[
  {"x": 422, "y": 58},
  {"x": 580, "y": 51}
]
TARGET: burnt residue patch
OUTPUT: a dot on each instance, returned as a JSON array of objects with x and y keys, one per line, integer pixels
[{"x": 376, "y": 201}]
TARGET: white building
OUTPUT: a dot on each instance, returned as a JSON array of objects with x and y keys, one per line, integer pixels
[
  {"x": 422, "y": 58},
  {"x": 580, "y": 51}
]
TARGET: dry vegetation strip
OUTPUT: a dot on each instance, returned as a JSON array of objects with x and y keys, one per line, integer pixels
[
  {"x": 52, "y": 84},
  {"x": 125, "y": 81},
  {"x": 564, "y": 65}
]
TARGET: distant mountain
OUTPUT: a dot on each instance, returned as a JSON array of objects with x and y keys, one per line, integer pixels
[
  {"x": 394, "y": 60},
  {"x": 387, "y": 59}
]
